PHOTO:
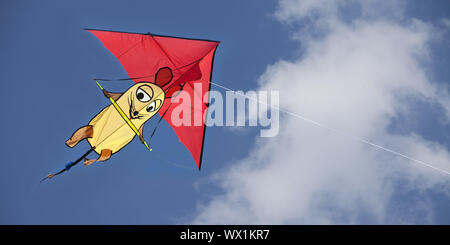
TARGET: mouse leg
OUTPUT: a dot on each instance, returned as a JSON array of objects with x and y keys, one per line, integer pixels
[
  {"x": 105, "y": 154},
  {"x": 79, "y": 135}
]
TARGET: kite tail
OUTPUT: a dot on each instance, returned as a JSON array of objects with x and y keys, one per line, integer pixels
[{"x": 69, "y": 165}]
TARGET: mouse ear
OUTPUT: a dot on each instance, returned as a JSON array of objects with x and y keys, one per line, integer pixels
[{"x": 163, "y": 76}]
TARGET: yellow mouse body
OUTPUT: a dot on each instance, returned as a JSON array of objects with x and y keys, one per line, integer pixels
[
  {"x": 107, "y": 132},
  {"x": 139, "y": 103}
]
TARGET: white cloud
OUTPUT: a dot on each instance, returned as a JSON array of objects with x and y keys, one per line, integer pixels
[
  {"x": 355, "y": 78},
  {"x": 446, "y": 22},
  {"x": 294, "y": 10},
  {"x": 329, "y": 11}
]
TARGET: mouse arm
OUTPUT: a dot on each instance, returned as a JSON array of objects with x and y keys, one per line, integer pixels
[
  {"x": 108, "y": 94},
  {"x": 141, "y": 135}
]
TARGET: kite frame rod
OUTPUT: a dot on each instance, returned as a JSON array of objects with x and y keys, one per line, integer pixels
[{"x": 153, "y": 34}]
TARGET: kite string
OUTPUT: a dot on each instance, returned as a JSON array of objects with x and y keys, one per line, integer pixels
[
  {"x": 318, "y": 124},
  {"x": 170, "y": 162},
  {"x": 342, "y": 133}
]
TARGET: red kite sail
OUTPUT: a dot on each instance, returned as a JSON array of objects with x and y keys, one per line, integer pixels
[{"x": 191, "y": 61}]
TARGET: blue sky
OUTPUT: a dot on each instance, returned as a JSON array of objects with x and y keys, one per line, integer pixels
[{"x": 47, "y": 64}]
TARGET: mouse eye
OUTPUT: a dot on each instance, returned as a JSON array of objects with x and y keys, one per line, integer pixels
[
  {"x": 154, "y": 105},
  {"x": 142, "y": 96}
]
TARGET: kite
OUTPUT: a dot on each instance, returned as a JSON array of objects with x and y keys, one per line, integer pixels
[{"x": 160, "y": 67}]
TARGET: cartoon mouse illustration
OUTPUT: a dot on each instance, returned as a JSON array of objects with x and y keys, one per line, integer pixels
[
  {"x": 107, "y": 132},
  {"x": 117, "y": 124}
]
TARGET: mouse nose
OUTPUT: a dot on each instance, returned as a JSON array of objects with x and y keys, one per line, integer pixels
[{"x": 135, "y": 113}]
